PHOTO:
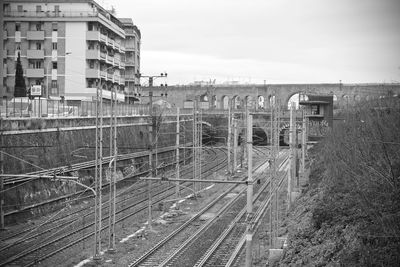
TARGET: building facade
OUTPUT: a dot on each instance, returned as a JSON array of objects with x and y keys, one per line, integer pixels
[
  {"x": 71, "y": 48},
  {"x": 132, "y": 60}
]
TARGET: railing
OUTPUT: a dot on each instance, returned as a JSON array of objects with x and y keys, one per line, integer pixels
[
  {"x": 51, "y": 14},
  {"x": 38, "y": 108}
]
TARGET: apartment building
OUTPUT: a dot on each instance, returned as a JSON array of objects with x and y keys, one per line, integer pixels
[
  {"x": 71, "y": 48},
  {"x": 132, "y": 60}
]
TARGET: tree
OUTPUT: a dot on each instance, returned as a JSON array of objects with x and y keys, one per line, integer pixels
[{"x": 20, "y": 87}]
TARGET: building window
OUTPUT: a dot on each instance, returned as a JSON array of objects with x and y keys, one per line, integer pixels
[
  {"x": 54, "y": 84},
  {"x": 315, "y": 110},
  {"x": 37, "y": 65},
  {"x": 91, "y": 64},
  {"x": 39, "y": 26},
  {"x": 20, "y": 8},
  {"x": 38, "y": 46},
  {"x": 55, "y": 26},
  {"x": 17, "y": 46},
  {"x": 17, "y": 26},
  {"x": 38, "y": 82},
  {"x": 54, "y": 46},
  {"x": 38, "y": 8},
  {"x": 54, "y": 65},
  {"x": 56, "y": 9}
]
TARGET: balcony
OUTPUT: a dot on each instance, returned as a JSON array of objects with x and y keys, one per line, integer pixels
[
  {"x": 92, "y": 73},
  {"x": 130, "y": 47},
  {"x": 110, "y": 59},
  {"x": 122, "y": 49},
  {"x": 122, "y": 65},
  {"x": 92, "y": 36},
  {"x": 110, "y": 42},
  {"x": 103, "y": 56},
  {"x": 110, "y": 76},
  {"x": 103, "y": 38},
  {"x": 103, "y": 74},
  {"x": 129, "y": 79},
  {"x": 35, "y": 54},
  {"x": 35, "y": 73},
  {"x": 117, "y": 61},
  {"x": 35, "y": 35},
  {"x": 116, "y": 78},
  {"x": 117, "y": 46},
  {"x": 122, "y": 81},
  {"x": 92, "y": 54}
]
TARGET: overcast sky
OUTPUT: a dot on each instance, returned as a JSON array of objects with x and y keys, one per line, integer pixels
[{"x": 279, "y": 41}]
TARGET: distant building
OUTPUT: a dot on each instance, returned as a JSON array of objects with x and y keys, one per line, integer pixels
[
  {"x": 132, "y": 60},
  {"x": 70, "y": 48},
  {"x": 319, "y": 111}
]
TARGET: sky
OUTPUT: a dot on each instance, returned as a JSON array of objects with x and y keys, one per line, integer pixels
[{"x": 267, "y": 41}]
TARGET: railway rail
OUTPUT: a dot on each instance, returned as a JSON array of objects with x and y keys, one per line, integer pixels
[
  {"x": 169, "y": 250},
  {"x": 65, "y": 232},
  {"x": 229, "y": 246},
  {"x": 79, "y": 166}
]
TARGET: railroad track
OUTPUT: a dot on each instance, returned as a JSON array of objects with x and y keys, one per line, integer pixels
[
  {"x": 79, "y": 166},
  {"x": 170, "y": 249},
  {"x": 49, "y": 238},
  {"x": 229, "y": 245}
]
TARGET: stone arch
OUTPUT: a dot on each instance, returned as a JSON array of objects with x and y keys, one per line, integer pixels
[
  {"x": 236, "y": 102},
  {"x": 213, "y": 101},
  {"x": 335, "y": 101},
  {"x": 225, "y": 102},
  {"x": 271, "y": 100},
  {"x": 204, "y": 98},
  {"x": 260, "y": 136},
  {"x": 345, "y": 100},
  {"x": 260, "y": 102},
  {"x": 248, "y": 101},
  {"x": 294, "y": 99}
]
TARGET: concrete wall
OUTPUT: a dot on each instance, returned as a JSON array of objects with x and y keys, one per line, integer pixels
[{"x": 61, "y": 143}]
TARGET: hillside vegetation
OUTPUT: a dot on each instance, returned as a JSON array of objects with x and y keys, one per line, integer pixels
[{"x": 350, "y": 214}]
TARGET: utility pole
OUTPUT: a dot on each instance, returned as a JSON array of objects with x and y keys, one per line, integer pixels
[
  {"x": 235, "y": 144},
  {"x": 112, "y": 171},
  {"x": 272, "y": 155},
  {"x": 249, "y": 228},
  {"x": 303, "y": 144},
  {"x": 151, "y": 130},
  {"x": 2, "y": 227},
  {"x": 177, "y": 153},
  {"x": 229, "y": 138},
  {"x": 98, "y": 171},
  {"x": 151, "y": 125},
  {"x": 291, "y": 156},
  {"x": 1, "y": 54}
]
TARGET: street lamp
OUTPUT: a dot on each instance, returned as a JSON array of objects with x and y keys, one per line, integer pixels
[{"x": 47, "y": 76}]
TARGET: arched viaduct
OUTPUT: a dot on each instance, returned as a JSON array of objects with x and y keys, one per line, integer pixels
[{"x": 263, "y": 95}]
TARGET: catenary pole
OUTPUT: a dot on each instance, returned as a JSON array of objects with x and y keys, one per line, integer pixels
[
  {"x": 249, "y": 230},
  {"x": 177, "y": 153}
]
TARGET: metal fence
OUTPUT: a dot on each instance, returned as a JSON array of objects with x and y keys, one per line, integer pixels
[{"x": 54, "y": 108}]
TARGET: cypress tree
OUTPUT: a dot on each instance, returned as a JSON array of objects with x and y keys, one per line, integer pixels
[{"x": 20, "y": 87}]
